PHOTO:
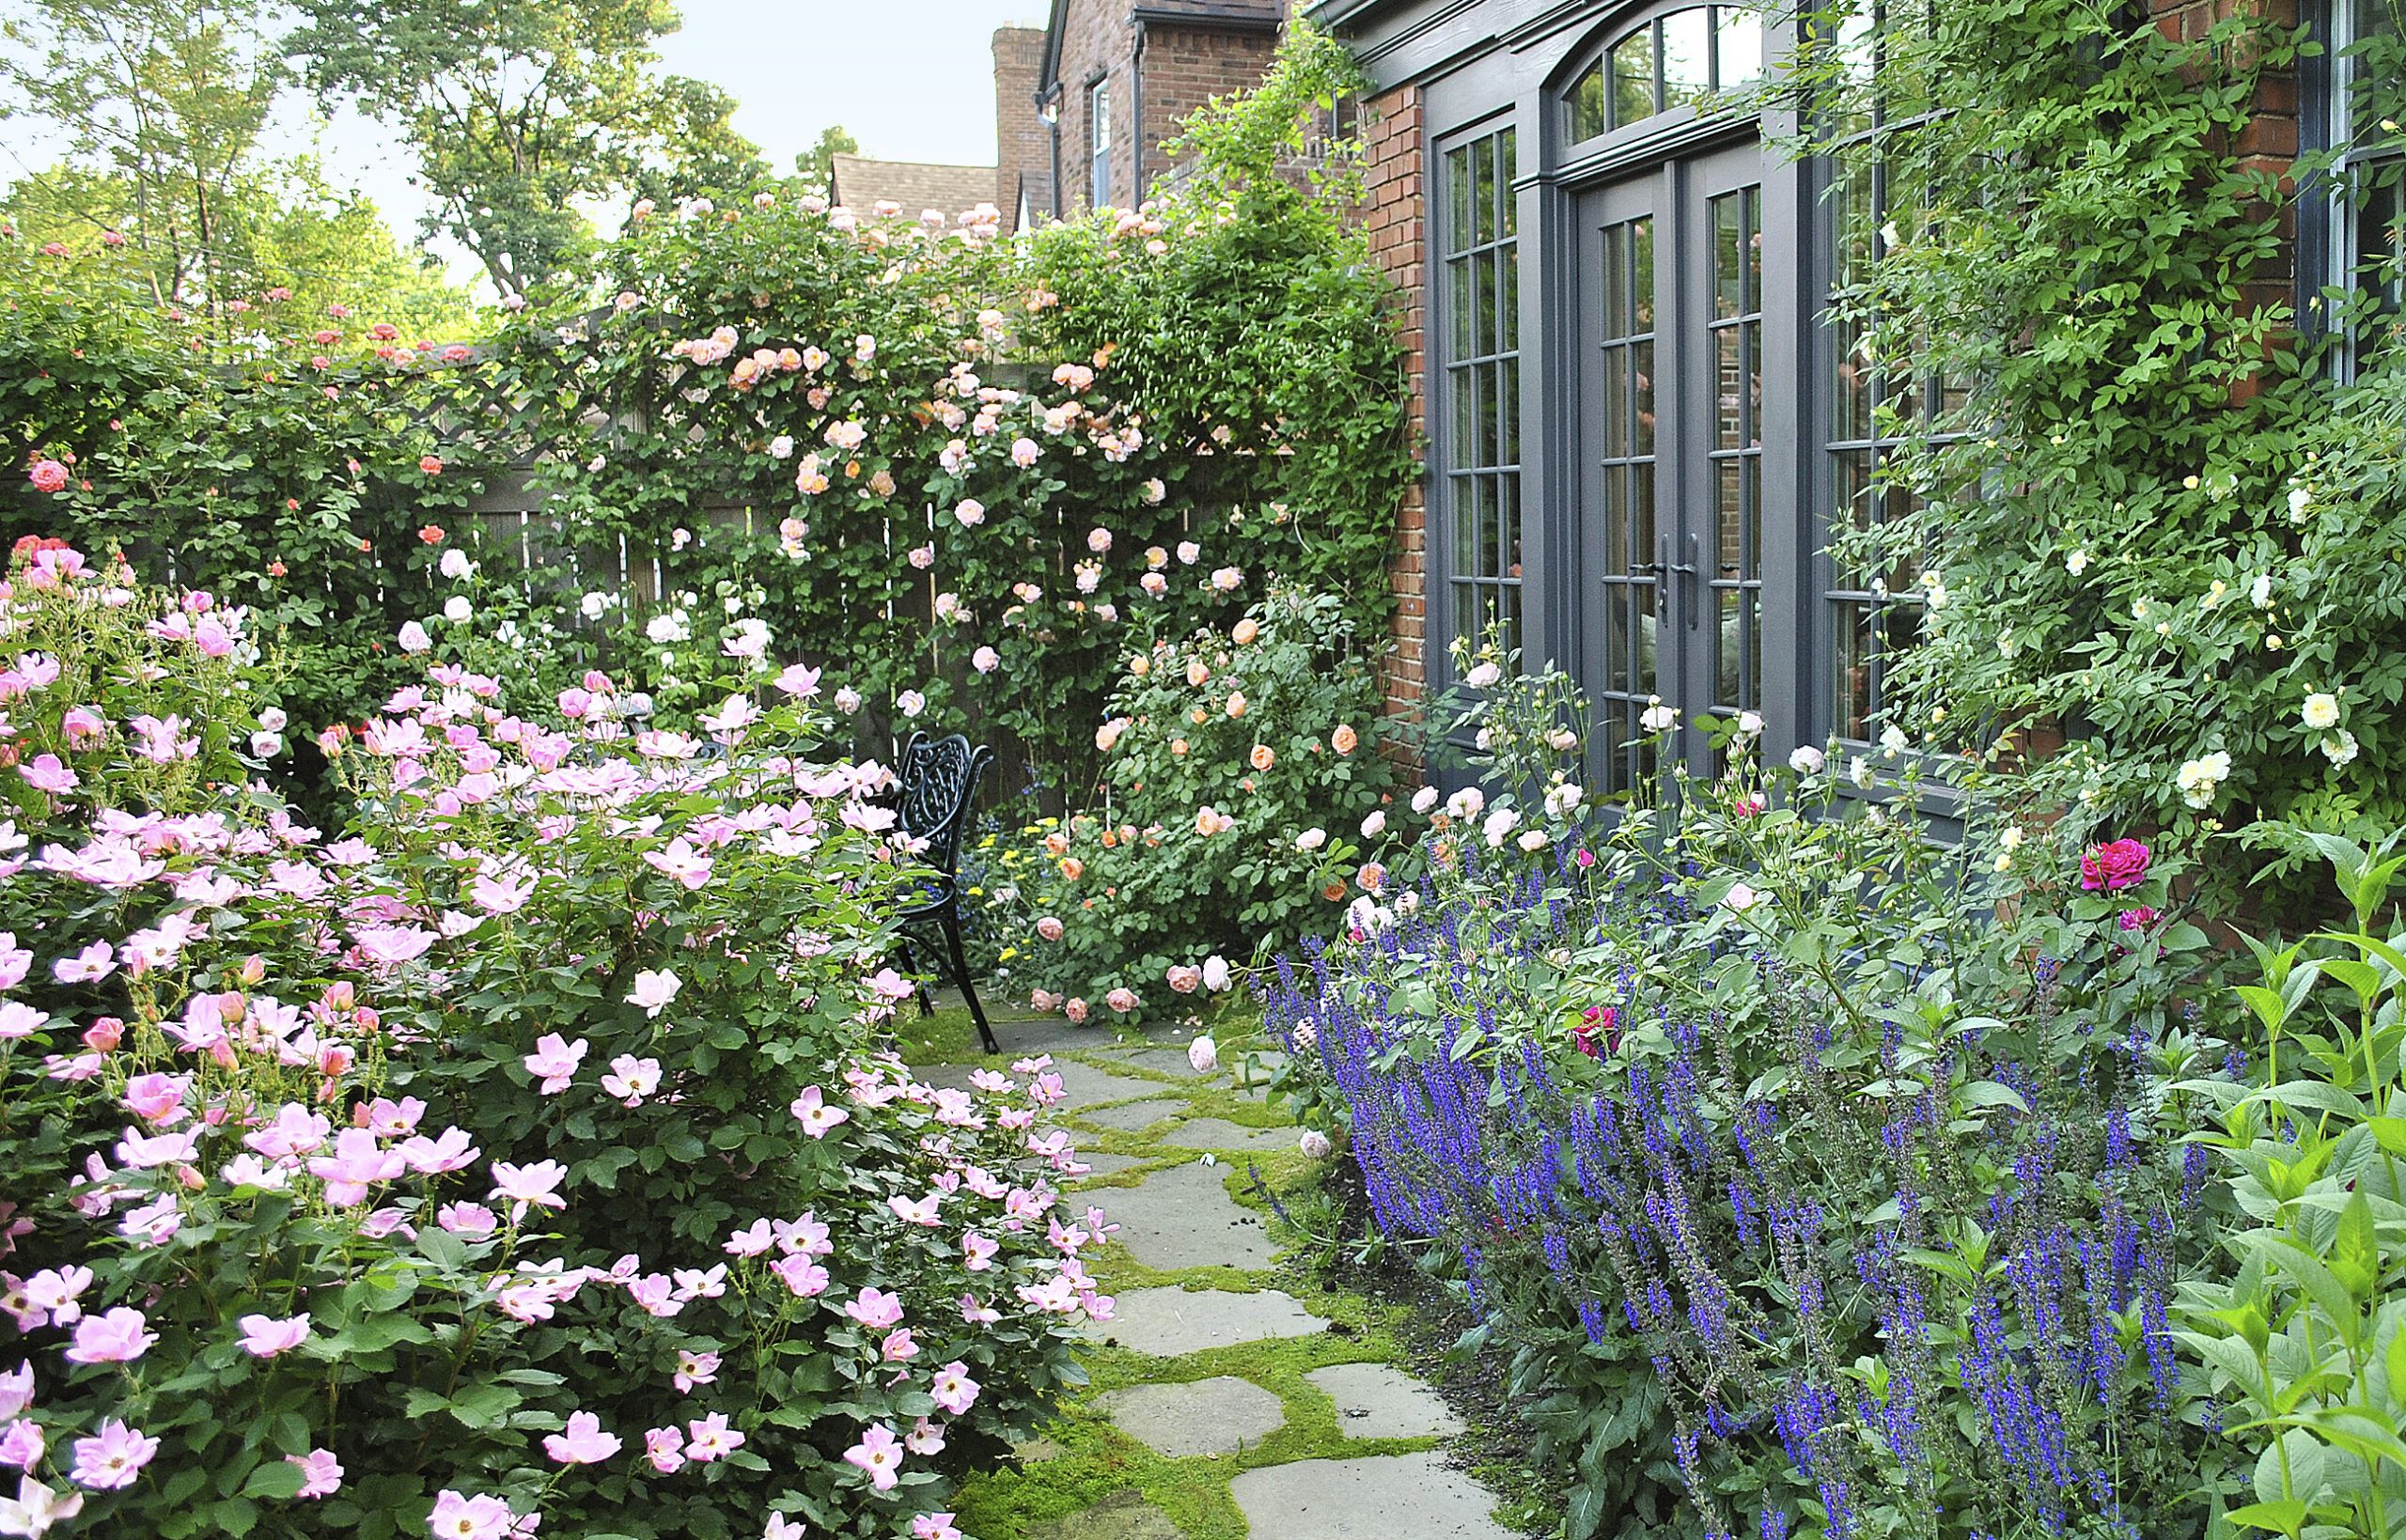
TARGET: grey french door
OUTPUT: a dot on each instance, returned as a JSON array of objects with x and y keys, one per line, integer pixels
[{"x": 1670, "y": 409}]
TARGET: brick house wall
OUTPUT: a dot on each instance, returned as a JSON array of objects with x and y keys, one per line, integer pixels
[
  {"x": 1395, "y": 217},
  {"x": 1022, "y": 143},
  {"x": 1098, "y": 40},
  {"x": 1185, "y": 60},
  {"x": 1185, "y": 67}
]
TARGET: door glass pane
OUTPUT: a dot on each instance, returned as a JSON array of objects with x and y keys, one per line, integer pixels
[
  {"x": 1482, "y": 191},
  {"x": 1641, "y": 504},
  {"x": 1641, "y": 357},
  {"x": 1458, "y": 232},
  {"x": 1506, "y": 168},
  {"x": 1729, "y": 514},
  {"x": 1730, "y": 387},
  {"x": 1459, "y": 305},
  {"x": 1729, "y": 257},
  {"x": 1469, "y": 513},
  {"x": 1729, "y": 647},
  {"x": 1640, "y": 236}
]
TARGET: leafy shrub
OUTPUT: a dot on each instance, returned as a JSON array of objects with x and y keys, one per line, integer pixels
[
  {"x": 2301, "y": 1334},
  {"x": 527, "y": 1149},
  {"x": 1248, "y": 797},
  {"x": 949, "y": 477},
  {"x": 1796, "y": 1161}
]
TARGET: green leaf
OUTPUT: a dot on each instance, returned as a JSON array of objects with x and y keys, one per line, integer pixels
[
  {"x": 276, "y": 1480},
  {"x": 2355, "y": 1250}
]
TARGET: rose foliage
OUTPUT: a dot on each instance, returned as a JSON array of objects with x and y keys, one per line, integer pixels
[{"x": 524, "y": 1153}]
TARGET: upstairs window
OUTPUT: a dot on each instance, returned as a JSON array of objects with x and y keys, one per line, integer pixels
[
  {"x": 1681, "y": 59},
  {"x": 1099, "y": 141}
]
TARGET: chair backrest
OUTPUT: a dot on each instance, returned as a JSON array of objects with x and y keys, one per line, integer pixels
[{"x": 940, "y": 777}]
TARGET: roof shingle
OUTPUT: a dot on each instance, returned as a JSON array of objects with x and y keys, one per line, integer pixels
[{"x": 860, "y": 182}]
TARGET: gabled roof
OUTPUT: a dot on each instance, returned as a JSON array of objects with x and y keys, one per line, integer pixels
[{"x": 860, "y": 182}]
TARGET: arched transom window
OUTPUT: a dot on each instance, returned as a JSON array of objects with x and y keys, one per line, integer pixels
[{"x": 1682, "y": 58}]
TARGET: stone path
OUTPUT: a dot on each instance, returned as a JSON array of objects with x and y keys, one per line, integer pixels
[{"x": 1221, "y": 1407}]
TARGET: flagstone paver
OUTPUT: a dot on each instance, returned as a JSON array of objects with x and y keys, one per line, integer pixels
[
  {"x": 1383, "y": 1497},
  {"x": 1218, "y": 1134},
  {"x": 1381, "y": 1401},
  {"x": 1181, "y": 1217},
  {"x": 1172, "y": 1323},
  {"x": 1216, "y": 1416},
  {"x": 1130, "y": 1115},
  {"x": 1185, "y": 1217},
  {"x": 1087, "y": 1086}
]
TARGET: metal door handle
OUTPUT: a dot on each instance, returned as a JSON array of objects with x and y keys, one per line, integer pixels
[{"x": 1687, "y": 569}]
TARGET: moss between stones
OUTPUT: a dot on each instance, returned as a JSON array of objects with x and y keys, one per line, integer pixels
[{"x": 1090, "y": 1467}]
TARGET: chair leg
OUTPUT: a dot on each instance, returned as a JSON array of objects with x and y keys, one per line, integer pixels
[
  {"x": 961, "y": 976},
  {"x": 911, "y": 967}
]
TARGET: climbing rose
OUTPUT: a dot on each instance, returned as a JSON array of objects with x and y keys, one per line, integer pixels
[{"x": 48, "y": 476}]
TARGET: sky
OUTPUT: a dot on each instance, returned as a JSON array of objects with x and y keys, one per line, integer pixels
[{"x": 912, "y": 80}]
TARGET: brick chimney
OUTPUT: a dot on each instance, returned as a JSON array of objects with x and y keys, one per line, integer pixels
[{"x": 1023, "y": 149}]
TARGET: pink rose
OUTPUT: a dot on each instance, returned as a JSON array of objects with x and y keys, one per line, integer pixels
[
  {"x": 2111, "y": 867},
  {"x": 1051, "y": 927}
]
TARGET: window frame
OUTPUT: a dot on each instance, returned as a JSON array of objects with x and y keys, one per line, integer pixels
[
  {"x": 1099, "y": 141},
  {"x": 1448, "y": 470},
  {"x": 2335, "y": 269}
]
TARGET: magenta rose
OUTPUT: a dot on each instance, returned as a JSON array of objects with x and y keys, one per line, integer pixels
[{"x": 2110, "y": 868}]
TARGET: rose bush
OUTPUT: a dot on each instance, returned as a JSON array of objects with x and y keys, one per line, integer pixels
[
  {"x": 973, "y": 470},
  {"x": 525, "y": 1154},
  {"x": 1249, "y": 798}
]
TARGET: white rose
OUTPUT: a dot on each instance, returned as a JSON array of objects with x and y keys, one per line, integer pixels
[
  {"x": 1311, "y": 839},
  {"x": 1484, "y": 677},
  {"x": 2076, "y": 562},
  {"x": 1659, "y": 718},
  {"x": 457, "y": 609},
  {"x": 1423, "y": 800},
  {"x": 594, "y": 604},
  {"x": 414, "y": 637},
  {"x": 1312, "y": 1143},
  {"x": 1858, "y": 769},
  {"x": 1564, "y": 799},
  {"x": 1375, "y": 825},
  {"x": 1466, "y": 802},
  {"x": 1804, "y": 759},
  {"x": 781, "y": 447},
  {"x": 266, "y": 745},
  {"x": 1741, "y": 898},
  {"x": 455, "y": 563},
  {"x": 1203, "y": 1054},
  {"x": 2322, "y": 710},
  {"x": 1533, "y": 840},
  {"x": 2339, "y": 747},
  {"x": 1500, "y": 823},
  {"x": 1893, "y": 741},
  {"x": 272, "y": 719},
  {"x": 2260, "y": 591},
  {"x": 1216, "y": 975}
]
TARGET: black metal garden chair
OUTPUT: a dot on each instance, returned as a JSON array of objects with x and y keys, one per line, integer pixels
[{"x": 940, "y": 777}]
